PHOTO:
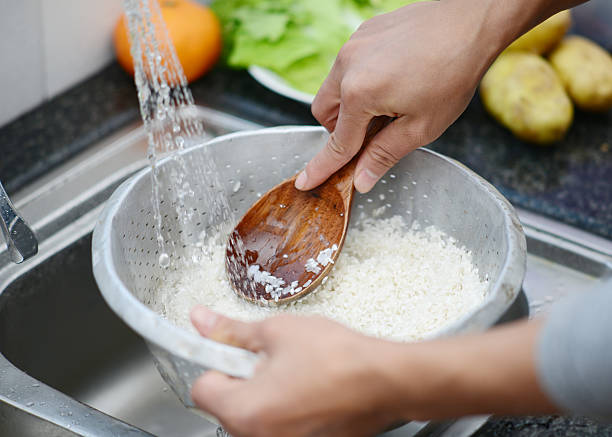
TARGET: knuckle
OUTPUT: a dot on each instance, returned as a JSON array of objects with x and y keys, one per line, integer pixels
[
  {"x": 362, "y": 89},
  {"x": 423, "y": 133},
  {"x": 317, "y": 109},
  {"x": 348, "y": 53},
  {"x": 336, "y": 150},
  {"x": 322, "y": 115},
  {"x": 344, "y": 55},
  {"x": 351, "y": 90},
  {"x": 382, "y": 155}
]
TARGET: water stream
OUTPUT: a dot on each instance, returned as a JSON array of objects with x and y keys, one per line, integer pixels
[{"x": 167, "y": 109}]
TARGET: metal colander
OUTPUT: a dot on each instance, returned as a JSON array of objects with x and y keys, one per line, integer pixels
[{"x": 424, "y": 186}]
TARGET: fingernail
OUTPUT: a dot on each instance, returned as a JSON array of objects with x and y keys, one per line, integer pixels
[
  {"x": 300, "y": 182},
  {"x": 365, "y": 180},
  {"x": 204, "y": 319}
]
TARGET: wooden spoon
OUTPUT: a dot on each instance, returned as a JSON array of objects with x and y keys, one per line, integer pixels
[{"x": 291, "y": 238}]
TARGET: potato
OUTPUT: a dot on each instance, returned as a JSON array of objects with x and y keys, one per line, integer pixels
[
  {"x": 523, "y": 92},
  {"x": 546, "y": 35},
  {"x": 586, "y": 71}
]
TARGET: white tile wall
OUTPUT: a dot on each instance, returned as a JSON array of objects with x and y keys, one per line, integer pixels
[
  {"x": 47, "y": 46},
  {"x": 76, "y": 39},
  {"x": 22, "y": 76}
]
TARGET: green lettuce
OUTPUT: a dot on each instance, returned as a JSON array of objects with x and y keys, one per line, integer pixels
[{"x": 297, "y": 39}]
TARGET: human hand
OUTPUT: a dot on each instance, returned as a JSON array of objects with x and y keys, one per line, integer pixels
[
  {"x": 315, "y": 378},
  {"x": 421, "y": 64},
  {"x": 318, "y": 378}
]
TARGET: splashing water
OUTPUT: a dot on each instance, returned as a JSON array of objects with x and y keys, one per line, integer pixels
[{"x": 168, "y": 112}]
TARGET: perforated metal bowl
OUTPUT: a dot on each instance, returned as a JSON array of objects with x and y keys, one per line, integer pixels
[{"x": 424, "y": 186}]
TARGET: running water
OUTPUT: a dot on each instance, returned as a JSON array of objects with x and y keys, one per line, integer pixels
[{"x": 168, "y": 113}]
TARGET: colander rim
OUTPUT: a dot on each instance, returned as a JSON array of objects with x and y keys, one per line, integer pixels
[{"x": 240, "y": 362}]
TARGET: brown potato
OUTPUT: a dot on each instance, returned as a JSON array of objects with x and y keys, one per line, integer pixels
[
  {"x": 586, "y": 72},
  {"x": 545, "y": 36},
  {"x": 523, "y": 92}
]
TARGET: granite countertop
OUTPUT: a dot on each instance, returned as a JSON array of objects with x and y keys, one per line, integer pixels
[{"x": 571, "y": 181}]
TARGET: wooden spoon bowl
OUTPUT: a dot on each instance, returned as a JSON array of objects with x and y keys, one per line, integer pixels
[{"x": 288, "y": 241}]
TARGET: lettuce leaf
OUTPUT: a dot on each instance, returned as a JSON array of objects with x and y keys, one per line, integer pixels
[{"x": 297, "y": 39}]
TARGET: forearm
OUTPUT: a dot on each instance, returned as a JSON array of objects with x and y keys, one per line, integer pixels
[
  {"x": 491, "y": 25},
  {"x": 494, "y": 373},
  {"x": 535, "y": 367}
]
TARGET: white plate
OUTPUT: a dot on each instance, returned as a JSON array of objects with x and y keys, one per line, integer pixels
[{"x": 274, "y": 82}]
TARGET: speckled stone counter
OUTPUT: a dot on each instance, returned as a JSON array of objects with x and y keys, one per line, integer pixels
[
  {"x": 547, "y": 426},
  {"x": 571, "y": 182}
]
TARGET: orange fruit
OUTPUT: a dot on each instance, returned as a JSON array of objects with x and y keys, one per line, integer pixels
[{"x": 194, "y": 30}]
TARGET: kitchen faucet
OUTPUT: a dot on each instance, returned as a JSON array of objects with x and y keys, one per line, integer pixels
[{"x": 20, "y": 239}]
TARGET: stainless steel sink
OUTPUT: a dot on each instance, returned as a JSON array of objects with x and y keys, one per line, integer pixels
[
  {"x": 69, "y": 366},
  {"x": 55, "y": 327},
  {"x": 64, "y": 356}
]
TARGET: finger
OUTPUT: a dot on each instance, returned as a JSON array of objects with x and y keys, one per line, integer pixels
[
  {"x": 211, "y": 392},
  {"x": 343, "y": 143},
  {"x": 225, "y": 330},
  {"x": 326, "y": 104},
  {"x": 384, "y": 151}
]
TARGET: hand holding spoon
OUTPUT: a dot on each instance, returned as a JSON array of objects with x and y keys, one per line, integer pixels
[{"x": 291, "y": 238}]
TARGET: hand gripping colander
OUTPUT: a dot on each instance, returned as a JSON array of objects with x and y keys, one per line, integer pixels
[{"x": 424, "y": 186}]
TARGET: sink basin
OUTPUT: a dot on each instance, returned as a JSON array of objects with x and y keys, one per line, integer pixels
[
  {"x": 69, "y": 366},
  {"x": 55, "y": 327}
]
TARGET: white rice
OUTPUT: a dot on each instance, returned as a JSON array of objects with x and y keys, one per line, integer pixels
[{"x": 389, "y": 281}]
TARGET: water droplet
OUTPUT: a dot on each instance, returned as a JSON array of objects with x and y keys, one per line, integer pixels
[
  {"x": 36, "y": 384},
  {"x": 30, "y": 404},
  {"x": 164, "y": 260},
  {"x": 236, "y": 187}
]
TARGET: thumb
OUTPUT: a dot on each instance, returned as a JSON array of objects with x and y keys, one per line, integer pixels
[
  {"x": 384, "y": 151},
  {"x": 343, "y": 143},
  {"x": 216, "y": 327}
]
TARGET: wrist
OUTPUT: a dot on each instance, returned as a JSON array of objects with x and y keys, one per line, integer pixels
[
  {"x": 489, "y": 26},
  {"x": 489, "y": 373},
  {"x": 413, "y": 377},
  {"x": 484, "y": 28}
]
